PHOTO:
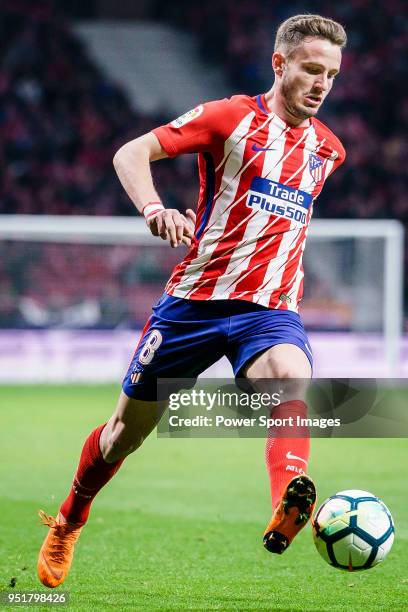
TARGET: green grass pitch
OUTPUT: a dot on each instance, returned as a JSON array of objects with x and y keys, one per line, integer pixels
[{"x": 180, "y": 527}]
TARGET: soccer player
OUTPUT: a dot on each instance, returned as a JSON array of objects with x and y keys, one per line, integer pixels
[{"x": 262, "y": 162}]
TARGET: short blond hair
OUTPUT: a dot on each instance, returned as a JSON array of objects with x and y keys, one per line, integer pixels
[{"x": 294, "y": 30}]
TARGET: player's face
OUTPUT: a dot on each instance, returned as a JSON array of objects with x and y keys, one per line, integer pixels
[{"x": 308, "y": 76}]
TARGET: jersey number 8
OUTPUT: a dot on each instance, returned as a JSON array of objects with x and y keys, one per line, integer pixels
[{"x": 151, "y": 345}]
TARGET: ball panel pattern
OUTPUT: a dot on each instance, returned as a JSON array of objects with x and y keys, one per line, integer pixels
[{"x": 353, "y": 530}]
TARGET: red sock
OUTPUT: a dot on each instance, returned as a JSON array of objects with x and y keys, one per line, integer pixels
[
  {"x": 92, "y": 474},
  {"x": 286, "y": 456}
]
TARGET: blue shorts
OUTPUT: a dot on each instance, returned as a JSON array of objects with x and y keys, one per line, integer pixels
[{"x": 183, "y": 338}]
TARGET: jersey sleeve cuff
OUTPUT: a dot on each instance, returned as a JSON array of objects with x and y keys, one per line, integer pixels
[{"x": 165, "y": 141}]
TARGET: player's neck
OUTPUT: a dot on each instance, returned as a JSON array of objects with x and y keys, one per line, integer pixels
[{"x": 275, "y": 104}]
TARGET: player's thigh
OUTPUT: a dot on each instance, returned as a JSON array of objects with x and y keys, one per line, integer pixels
[
  {"x": 132, "y": 421},
  {"x": 286, "y": 363}
]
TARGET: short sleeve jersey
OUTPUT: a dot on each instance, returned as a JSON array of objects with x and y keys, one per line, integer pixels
[{"x": 259, "y": 178}]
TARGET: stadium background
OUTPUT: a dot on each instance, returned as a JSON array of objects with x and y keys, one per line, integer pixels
[{"x": 181, "y": 526}]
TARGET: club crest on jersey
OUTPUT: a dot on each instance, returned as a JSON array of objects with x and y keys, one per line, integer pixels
[
  {"x": 136, "y": 375},
  {"x": 279, "y": 199},
  {"x": 316, "y": 167},
  {"x": 135, "y": 378},
  {"x": 188, "y": 116}
]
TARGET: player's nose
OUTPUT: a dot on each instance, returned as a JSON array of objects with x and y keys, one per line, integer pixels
[{"x": 322, "y": 83}]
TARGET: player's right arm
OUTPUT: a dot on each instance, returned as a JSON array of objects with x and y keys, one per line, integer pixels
[{"x": 132, "y": 165}]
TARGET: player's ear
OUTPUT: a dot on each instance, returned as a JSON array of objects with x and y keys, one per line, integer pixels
[{"x": 278, "y": 63}]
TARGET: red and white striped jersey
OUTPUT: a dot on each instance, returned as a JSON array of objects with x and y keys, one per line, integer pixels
[{"x": 259, "y": 177}]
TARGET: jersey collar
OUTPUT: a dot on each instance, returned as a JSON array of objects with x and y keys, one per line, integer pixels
[{"x": 261, "y": 102}]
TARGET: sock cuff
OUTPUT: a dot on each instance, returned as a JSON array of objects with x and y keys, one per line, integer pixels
[
  {"x": 290, "y": 408},
  {"x": 94, "y": 438}
]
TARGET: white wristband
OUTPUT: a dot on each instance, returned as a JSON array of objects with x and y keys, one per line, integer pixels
[{"x": 151, "y": 209}]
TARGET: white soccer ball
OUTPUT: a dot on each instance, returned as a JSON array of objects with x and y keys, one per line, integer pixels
[{"x": 353, "y": 530}]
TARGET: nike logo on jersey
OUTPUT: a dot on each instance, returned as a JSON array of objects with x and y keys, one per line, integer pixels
[
  {"x": 256, "y": 148},
  {"x": 290, "y": 456}
]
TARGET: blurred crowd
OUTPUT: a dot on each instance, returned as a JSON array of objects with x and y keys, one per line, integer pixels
[
  {"x": 66, "y": 286},
  {"x": 62, "y": 120}
]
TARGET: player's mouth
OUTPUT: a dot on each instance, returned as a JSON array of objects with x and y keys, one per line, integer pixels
[{"x": 313, "y": 100}]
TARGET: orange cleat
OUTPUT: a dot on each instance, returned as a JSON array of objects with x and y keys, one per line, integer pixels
[
  {"x": 57, "y": 551},
  {"x": 292, "y": 514}
]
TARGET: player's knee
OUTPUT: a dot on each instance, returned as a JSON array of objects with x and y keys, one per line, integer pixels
[
  {"x": 271, "y": 368},
  {"x": 283, "y": 377},
  {"x": 285, "y": 371}
]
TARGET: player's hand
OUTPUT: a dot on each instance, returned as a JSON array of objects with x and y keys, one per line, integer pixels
[{"x": 170, "y": 224}]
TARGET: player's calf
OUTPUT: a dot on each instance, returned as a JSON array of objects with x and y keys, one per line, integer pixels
[
  {"x": 117, "y": 442},
  {"x": 131, "y": 423}
]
